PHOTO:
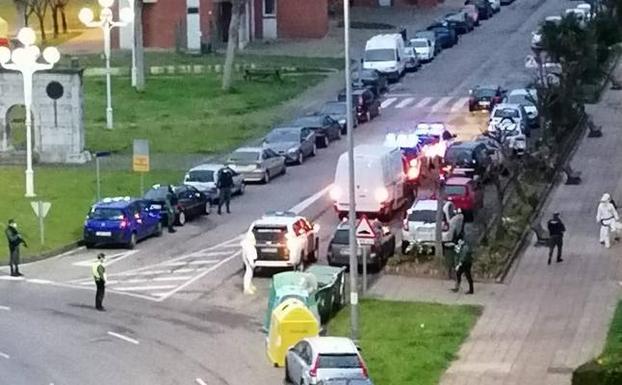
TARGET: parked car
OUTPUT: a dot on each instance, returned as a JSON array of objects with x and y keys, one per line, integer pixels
[
  {"x": 205, "y": 176},
  {"x": 515, "y": 112},
  {"x": 506, "y": 2},
  {"x": 337, "y": 111},
  {"x": 466, "y": 194},
  {"x": 473, "y": 13},
  {"x": 281, "y": 240},
  {"x": 188, "y": 202},
  {"x": 484, "y": 8},
  {"x": 419, "y": 225},
  {"x": 317, "y": 359},
  {"x": 257, "y": 164},
  {"x": 382, "y": 246},
  {"x": 578, "y": 14},
  {"x": 536, "y": 36},
  {"x": 469, "y": 158},
  {"x": 495, "y": 5},
  {"x": 528, "y": 99},
  {"x": 461, "y": 21},
  {"x": 430, "y": 35},
  {"x": 367, "y": 105},
  {"x": 424, "y": 48},
  {"x": 445, "y": 34},
  {"x": 485, "y": 97},
  {"x": 346, "y": 381},
  {"x": 122, "y": 221},
  {"x": 294, "y": 143},
  {"x": 326, "y": 129},
  {"x": 385, "y": 53},
  {"x": 412, "y": 60},
  {"x": 371, "y": 78}
]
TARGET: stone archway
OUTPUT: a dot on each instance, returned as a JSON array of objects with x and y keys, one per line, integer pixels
[{"x": 14, "y": 131}]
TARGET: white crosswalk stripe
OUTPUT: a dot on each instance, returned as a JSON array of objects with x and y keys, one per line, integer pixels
[
  {"x": 444, "y": 104},
  {"x": 404, "y": 102},
  {"x": 386, "y": 103},
  {"x": 423, "y": 102},
  {"x": 459, "y": 105},
  {"x": 440, "y": 104}
]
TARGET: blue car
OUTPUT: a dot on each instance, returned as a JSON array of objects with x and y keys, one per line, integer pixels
[{"x": 121, "y": 221}]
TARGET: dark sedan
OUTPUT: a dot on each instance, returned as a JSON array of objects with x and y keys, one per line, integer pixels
[
  {"x": 367, "y": 104},
  {"x": 294, "y": 143},
  {"x": 483, "y": 7},
  {"x": 381, "y": 247},
  {"x": 445, "y": 34},
  {"x": 325, "y": 127},
  {"x": 338, "y": 111},
  {"x": 372, "y": 78},
  {"x": 485, "y": 97},
  {"x": 460, "y": 21},
  {"x": 187, "y": 201}
]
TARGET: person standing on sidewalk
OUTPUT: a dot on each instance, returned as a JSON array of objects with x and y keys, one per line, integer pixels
[
  {"x": 14, "y": 239},
  {"x": 99, "y": 275},
  {"x": 170, "y": 203},
  {"x": 556, "y": 231},
  {"x": 465, "y": 261},
  {"x": 225, "y": 186},
  {"x": 607, "y": 217}
]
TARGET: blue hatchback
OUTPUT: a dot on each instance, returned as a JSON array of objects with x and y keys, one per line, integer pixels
[{"x": 121, "y": 221}]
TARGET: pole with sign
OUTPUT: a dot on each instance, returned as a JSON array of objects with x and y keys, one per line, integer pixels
[
  {"x": 98, "y": 155},
  {"x": 41, "y": 211},
  {"x": 365, "y": 236},
  {"x": 140, "y": 160}
]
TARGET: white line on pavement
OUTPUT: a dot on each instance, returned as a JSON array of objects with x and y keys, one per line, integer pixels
[
  {"x": 4, "y": 355},
  {"x": 201, "y": 382},
  {"x": 404, "y": 102},
  {"x": 124, "y": 338},
  {"x": 109, "y": 261},
  {"x": 144, "y": 288},
  {"x": 441, "y": 103},
  {"x": 149, "y": 272},
  {"x": 137, "y": 280},
  {"x": 7, "y": 308},
  {"x": 177, "y": 278},
  {"x": 386, "y": 103},
  {"x": 214, "y": 253},
  {"x": 300, "y": 207},
  {"x": 205, "y": 261},
  {"x": 10, "y": 278},
  {"x": 184, "y": 270},
  {"x": 459, "y": 105},
  {"x": 423, "y": 102},
  {"x": 190, "y": 282},
  {"x": 39, "y": 281}
]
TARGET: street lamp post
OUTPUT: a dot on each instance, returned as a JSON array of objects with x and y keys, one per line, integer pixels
[
  {"x": 24, "y": 60},
  {"x": 106, "y": 23}
]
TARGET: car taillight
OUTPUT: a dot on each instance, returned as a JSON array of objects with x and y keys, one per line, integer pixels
[
  {"x": 123, "y": 223},
  {"x": 314, "y": 367},
  {"x": 445, "y": 226},
  {"x": 363, "y": 366},
  {"x": 413, "y": 172},
  {"x": 405, "y": 224}
]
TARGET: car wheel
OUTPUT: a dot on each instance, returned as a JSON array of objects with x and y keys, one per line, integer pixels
[
  {"x": 242, "y": 189},
  {"x": 284, "y": 171},
  {"x": 301, "y": 158},
  {"x": 208, "y": 208},
  {"x": 131, "y": 244},
  {"x": 181, "y": 218},
  {"x": 89, "y": 245},
  {"x": 158, "y": 231},
  {"x": 314, "y": 150},
  {"x": 266, "y": 177},
  {"x": 287, "y": 379},
  {"x": 326, "y": 141},
  {"x": 404, "y": 247}
]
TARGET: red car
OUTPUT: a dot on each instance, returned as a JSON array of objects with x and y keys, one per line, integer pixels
[
  {"x": 485, "y": 97},
  {"x": 466, "y": 194}
]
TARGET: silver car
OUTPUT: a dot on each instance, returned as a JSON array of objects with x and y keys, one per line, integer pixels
[
  {"x": 205, "y": 176},
  {"x": 294, "y": 143},
  {"x": 346, "y": 381},
  {"x": 318, "y": 359},
  {"x": 257, "y": 164}
]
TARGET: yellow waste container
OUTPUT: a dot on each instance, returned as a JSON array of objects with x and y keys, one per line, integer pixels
[
  {"x": 4, "y": 32},
  {"x": 291, "y": 322}
]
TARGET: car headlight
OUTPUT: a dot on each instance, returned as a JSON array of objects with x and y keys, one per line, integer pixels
[
  {"x": 292, "y": 150},
  {"x": 342, "y": 121}
]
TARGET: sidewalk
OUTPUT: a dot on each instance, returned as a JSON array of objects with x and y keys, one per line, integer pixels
[
  {"x": 90, "y": 41},
  {"x": 546, "y": 320}
]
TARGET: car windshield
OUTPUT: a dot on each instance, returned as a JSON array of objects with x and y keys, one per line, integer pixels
[
  {"x": 106, "y": 213},
  {"x": 419, "y": 43},
  {"x": 506, "y": 113},
  {"x": 520, "y": 99},
  {"x": 457, "y": 155},
  {"x": 273, "y": 234},
  {"x": 158, "y": 193},
  {"x": 409, "y": 51},
  {"x": 202, "y": 176},
  {"x": 308, "y": 121},
  {"x": 386, "y": 54},
  {"x": 339, "y": 361},
  {"x": 485, "y": 92},
  {"x": 342, "y": 237},
  {"x": 455, "y": 190},
  {"x": 244, "y": 156},
  {"x": 365, "y": 74},
  {"x": 280, "y": 136},
  {"x": 334, "y": 108},
  {"x": 425, "y": 216}
]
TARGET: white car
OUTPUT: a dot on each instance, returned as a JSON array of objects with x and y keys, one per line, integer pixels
[
  {"x": 536, "y": 36},
  {"x": 316, "y": 359},
  {"x": 281, "y": 240},
  {"x": 205, "y": 176},
  {"x": 579, "y": 15},
  {"x": 510, "y": 120},
  {"x": 424, "y": 48},
  {"x": 528, "y": 98},
  {"x": 495, "y": 5},
  {"x": 419, "y": 226}
]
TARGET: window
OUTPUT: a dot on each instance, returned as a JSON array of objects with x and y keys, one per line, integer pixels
[
  {"x": 339, "y": 361},
  {"x": 269, "y": 7},
  {"x": 425, "y": 216}
]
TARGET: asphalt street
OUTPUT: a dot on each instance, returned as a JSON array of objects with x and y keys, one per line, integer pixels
[{"x": 175, "y": 305}]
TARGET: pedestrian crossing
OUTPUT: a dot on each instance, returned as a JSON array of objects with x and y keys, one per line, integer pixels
[
  {"x": 159, "y": 281},
  {"x": 444, "y": 104}
]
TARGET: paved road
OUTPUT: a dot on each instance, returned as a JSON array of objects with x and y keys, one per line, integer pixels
[{"x": 181, "y": 294}]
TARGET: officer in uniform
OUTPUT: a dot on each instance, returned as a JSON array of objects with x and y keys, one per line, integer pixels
[
  {"x": 170, "y": 203},
  {"x": 224, "y": 185},
  {"x": 463, "y": 266},
  {"x": 14, "y": 239},
  {"x": 99, "y": 275},
  {"x": 556, "y": 231}
]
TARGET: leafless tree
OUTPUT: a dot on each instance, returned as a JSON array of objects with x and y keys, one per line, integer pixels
[
  {"x": 56, "y": 7},
  {"x": 237, "y": 8}
]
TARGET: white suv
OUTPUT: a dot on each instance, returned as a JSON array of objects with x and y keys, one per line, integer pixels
[
  {"x": 419, "y": 227},
  {"x": 510, "y": 121},
  {"x": 281, "y": 239}
]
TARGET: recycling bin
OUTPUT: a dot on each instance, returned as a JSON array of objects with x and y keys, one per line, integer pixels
[{"x": 291, "y": 322}]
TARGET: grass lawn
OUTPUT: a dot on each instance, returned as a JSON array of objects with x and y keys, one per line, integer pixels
[
  {"x": 186, "y": 114},
  {"x": 613, "y": 346},
  {"x": 71, "y": 190},
  {"x": 406, "y": 343}
]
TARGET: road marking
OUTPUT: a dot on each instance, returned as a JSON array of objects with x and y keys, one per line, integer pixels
[
  {"x": 205, "y": 261},
  {"x": 404, "y": 102},
  {"x": 4, "y": 355},
  {"x": 124, "y": 338},
  {"x": 10, "y": 278},
  {"x": 149, "y": 272},
  {"x": 300, "y": 207},
  {"x": 386, "y": 103},
  {"x": 215, "y": 253},
  {"x": 185, "y": 270},
  {"x": 178, "y": 278},
  {"x": 5, "y": 308},
  {"x": 423, "y": 102},
  {"x": 201, "y": 382},
  {"x": 459, "y": 105},
  {"x": 109, "y": 260},
  {"x": 190, "y": 282},
  {"x": 441, "y": 103},
  {"x": 137, "y": 280},
  {"x": 144, "y": 288}
]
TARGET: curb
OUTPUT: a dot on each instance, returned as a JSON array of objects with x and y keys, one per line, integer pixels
[{"x": 185, "y": 69}]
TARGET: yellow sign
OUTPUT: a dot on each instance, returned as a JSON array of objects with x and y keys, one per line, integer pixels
[{"x": 141, "y": 163}]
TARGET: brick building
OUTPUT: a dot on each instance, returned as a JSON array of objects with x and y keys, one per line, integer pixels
[{"x": 188, "y": 24}]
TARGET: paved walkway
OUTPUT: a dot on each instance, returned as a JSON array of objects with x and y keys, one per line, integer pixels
[{"x": 546, "y": 320}]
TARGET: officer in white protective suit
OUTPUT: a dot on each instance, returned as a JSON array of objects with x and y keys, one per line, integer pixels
[
  {"x": 607, "y": 217},
  {"x": 249, "y": 255}
]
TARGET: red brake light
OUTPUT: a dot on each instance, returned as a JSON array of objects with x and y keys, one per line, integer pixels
[
  {"x": 123, "y": 223},
  {"x": 363, "y": 366},
  {"x": 314, "y": 367}
]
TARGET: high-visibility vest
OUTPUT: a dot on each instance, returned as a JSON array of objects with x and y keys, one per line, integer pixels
[{"x": 95, "y": 270}]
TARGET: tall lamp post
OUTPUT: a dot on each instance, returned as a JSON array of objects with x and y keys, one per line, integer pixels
[
  {"x": 106, "y": 23},
  {"x": 24, "y": 60}
]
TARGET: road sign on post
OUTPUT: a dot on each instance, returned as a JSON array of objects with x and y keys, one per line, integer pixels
[
  {"x": 140, "y": 160},
  {"x": 365, "y": 232},
  {"x": 531, "y": 62},
  {"x": 41, "y": 210}
]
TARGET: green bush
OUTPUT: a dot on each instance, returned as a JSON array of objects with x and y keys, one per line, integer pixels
[{"x": 598, "y": 372}]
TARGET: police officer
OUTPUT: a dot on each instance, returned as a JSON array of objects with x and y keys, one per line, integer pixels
[
  {"x": 14, "y": 239},
  {"x": 225, "y": 186},
  {"x": 170, "y": 203},
  {"x": 99, "y": 275},
  {"x": 556, "y": 231},
  {"x": 463, "y": 266}
]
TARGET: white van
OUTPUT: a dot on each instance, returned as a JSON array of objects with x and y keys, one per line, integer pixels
[
  {"x": 379, "y": 181},
  {"x": 385, "y": 53},
  {"x": 587, "y": 9}
]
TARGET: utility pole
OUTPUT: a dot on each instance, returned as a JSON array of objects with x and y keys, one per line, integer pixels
[
  {"x": 138, "y": 49},
  {"x": 440, "y": 198}
]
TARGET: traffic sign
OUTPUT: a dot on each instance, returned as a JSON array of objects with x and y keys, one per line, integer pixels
[
  {"x": 530, "y": 62},
  {"x": 140, "y": 161},
  {"x": 364, "y": 230},
  {"x": 41, "y": 208}
]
